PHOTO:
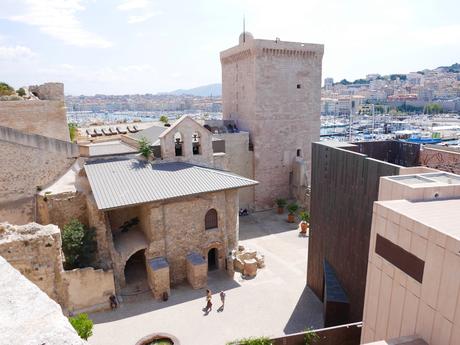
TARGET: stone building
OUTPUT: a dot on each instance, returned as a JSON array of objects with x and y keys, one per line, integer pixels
[
  {"x": 271, "y": 89},
  {"x": 160, "y": 221}
]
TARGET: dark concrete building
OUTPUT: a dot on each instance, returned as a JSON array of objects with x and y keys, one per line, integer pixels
[{"x": 344, "y": 185}]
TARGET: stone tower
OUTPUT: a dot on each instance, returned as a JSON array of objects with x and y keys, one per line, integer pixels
[{"x": 272, "y": 89}]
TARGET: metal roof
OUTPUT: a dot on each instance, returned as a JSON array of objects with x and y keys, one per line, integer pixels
[
  {"x": 125, "y": 182},
  {"x": 151, "y": 134}
]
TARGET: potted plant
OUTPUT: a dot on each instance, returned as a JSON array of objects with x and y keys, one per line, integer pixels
[
  {"x": 292, "y": 209},
  {"x": 305, "y": 221},
  {"x": 280, "y": 203}
]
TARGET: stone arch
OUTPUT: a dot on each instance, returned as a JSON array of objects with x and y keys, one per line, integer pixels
[
  {"x": 126, "y": 245},
  {"x": 211, "y": 220},
  {"x": 220, "y": 250},
  {"x": 178, "y": 142},
  {"x": 196, "y": 143}
]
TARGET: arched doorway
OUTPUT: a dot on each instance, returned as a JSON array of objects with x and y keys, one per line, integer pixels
[
  {"x": 135, "y": 274},
  {"x": 213, "y": 259}
]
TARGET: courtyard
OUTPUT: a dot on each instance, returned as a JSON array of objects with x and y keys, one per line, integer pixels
[{"x": 274, "y": 303}]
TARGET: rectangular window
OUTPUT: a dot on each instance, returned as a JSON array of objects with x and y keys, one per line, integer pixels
[{"x": 402, "y": 259}]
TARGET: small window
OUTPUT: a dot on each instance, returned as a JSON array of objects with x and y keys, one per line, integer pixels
[
  {"x": 210, "y": 220},
  {"x": 299, "y": 152},
  {"x": 299, "y": 86}
]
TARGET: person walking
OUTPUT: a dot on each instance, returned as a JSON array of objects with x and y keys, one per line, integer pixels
[
  {"x": 222, "y": 299},
  {"x": 208, "y": 307}
]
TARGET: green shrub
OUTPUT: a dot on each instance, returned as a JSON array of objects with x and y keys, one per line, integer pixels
[
  {"x": 281, "y": 202},
  {"x": 21, "y": 92},
  {"x": 78, "y": 245},
  {"x": 304, "y": 216},
  {"x": 292, "y": 208},
  {"x": 73, "y": 130},
  {"x": 83, "y": 325},
  {"x": 252, "y": 341},
  {"x": 5, "y": 89},
  {"x": 164, "y": 119},
  {"x": 311, "y": 337},
  {"x": 144, "y": 147}
]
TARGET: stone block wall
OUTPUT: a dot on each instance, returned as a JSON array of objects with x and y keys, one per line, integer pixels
[
  {"x": 47, "y": 118},
  {"x": 88, "y": 289},
  {"x": 24, "y": 168},
  {"x": 59, "y": 209},
  {"x": 272, "y": 90},
  {"x": 175, "y": 229},
  {"x": 35, "y": 251},
  {"x": 187, "y": 127},
  {"x": 240, "y": 160}
]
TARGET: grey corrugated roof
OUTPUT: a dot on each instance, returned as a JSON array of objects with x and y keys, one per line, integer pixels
[
  {"x": 123, "y": 182},
  {"x": 115, "y": 147},
  {"x": 151, "y": 133}
]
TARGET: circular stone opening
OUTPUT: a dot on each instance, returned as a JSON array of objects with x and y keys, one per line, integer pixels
[
  {"x": 159, "y": 339},
  {"x": 162, "y": 341}
]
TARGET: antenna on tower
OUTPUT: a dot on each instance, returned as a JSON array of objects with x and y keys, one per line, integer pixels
[{"x": 244, "y": 28}]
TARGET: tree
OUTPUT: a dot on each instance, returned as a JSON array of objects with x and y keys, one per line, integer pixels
[
  {"x": 164, "y": 119},
  {"x": 73, "y": 130},
  {"x": 21, "y": 92},
  {"x": 83, "y": 325},
  {"x": 252, "y": 341},
  {"x": 78, "y": 244},
  {"x": 5, "y": 89},
  {"x": 144, "y": 147}
]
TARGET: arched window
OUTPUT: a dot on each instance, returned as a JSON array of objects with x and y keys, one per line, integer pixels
[
  {"x": 178, "y": 144},
  {"x": 196, "y": 144},
  {"x": 210, "y": 220}
]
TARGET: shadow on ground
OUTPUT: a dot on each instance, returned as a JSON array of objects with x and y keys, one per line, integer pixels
[
  {"x": 144, "y": 302},
  {"x": 301, "y": 318},
  {"x": 264, "y": 223}
]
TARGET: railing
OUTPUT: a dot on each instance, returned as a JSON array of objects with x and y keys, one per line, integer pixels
[{"x": 349, "y": 334}]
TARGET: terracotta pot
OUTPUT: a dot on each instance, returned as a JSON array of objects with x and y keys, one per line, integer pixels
[
  {"x": 280, "y": 210},
  {"x": 303, "y": 227},
  {"x": 291, "y": 218}
]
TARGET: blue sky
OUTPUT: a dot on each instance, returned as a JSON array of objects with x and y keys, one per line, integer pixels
[{"x": 148, "y": 46}]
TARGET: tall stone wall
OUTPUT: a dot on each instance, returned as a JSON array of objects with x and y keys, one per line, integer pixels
[
  {"x": 240, "y": 160},
  {"x": 59, "y": 209},
  {"x": 88, "y": 287},
  {"x": 35, "y": 251},
  {"x": 272, "y": 89},
  {"x": 46, "y": 116},
  {"x": 23, "y": 169}
]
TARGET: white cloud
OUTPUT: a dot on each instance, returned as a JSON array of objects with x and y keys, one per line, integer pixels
[
  {"x": 141, "y": 18},
  {"x": 128, "y": 5},
  {"x": 58, "y": 18},
  {"x": 15, "y": 53},
  {"x": 140, "y": 10}
]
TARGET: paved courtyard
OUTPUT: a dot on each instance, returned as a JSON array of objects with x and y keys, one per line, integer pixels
[{"x": 274, "y": 303}]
